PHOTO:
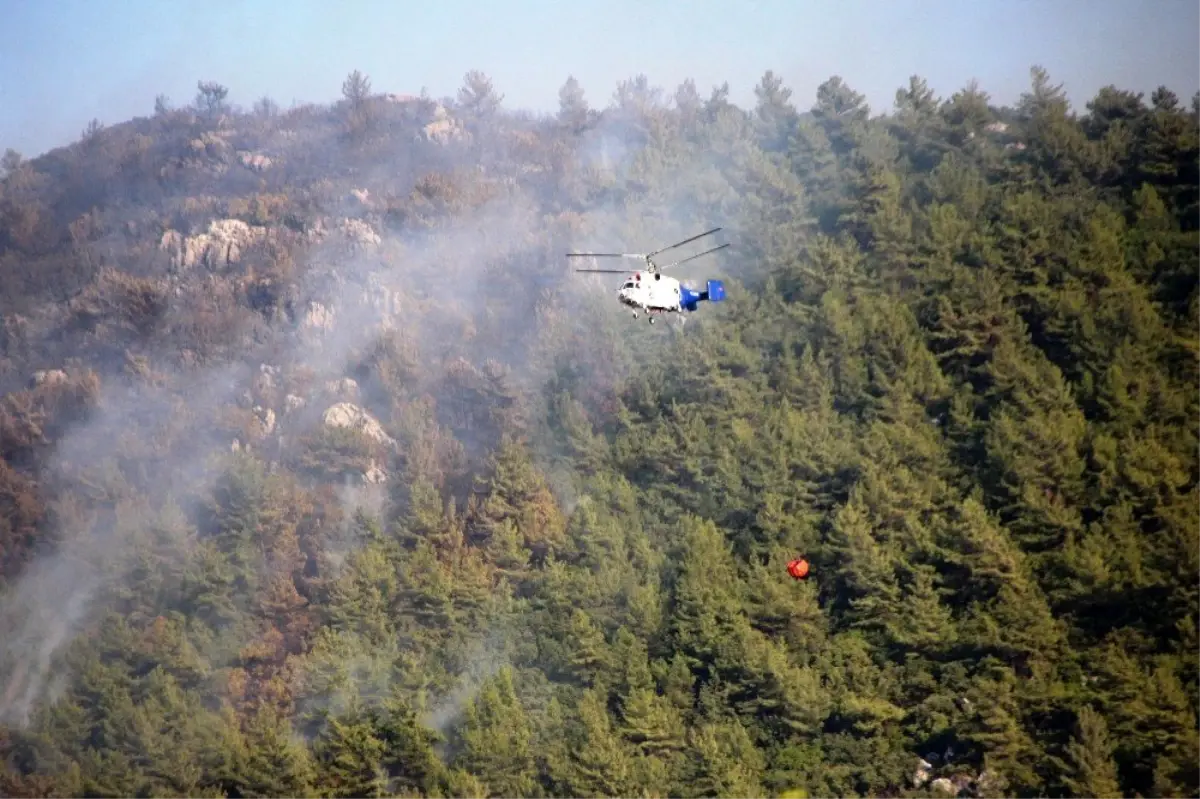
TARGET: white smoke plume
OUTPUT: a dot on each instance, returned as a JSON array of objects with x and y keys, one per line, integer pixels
[{"x": 463, "y": 263}]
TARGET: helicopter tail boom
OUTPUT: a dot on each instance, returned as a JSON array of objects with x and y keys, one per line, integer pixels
[{"x": 713, "y": 292}]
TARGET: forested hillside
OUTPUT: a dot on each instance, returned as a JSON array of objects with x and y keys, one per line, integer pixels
[{"x": 323, "y": 474}]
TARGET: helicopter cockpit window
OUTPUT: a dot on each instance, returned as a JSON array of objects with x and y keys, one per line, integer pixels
[{"x": 628, "y": 285}]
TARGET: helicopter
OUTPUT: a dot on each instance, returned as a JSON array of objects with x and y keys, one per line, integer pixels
[{"x": 649, "y": 291}]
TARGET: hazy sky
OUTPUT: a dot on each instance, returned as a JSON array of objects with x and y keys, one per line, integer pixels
[{"x": 64, "y": 62}]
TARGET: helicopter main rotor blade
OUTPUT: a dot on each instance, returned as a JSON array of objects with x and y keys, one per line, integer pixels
[
  {"x": 685, "y": 241},
  {"x": 637, "y": 255},
  {"x": 692, "y": 257},
  {"x": 606, "y": 271}
]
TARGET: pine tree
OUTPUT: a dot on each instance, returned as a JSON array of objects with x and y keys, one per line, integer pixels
[
  {"x": 496, "y": 740},
  {"x": 272, "y": 763},
  {"x": 1089, "y": 766},
  {"x": 600, "y": 763},
  {"x": 351, "y": 760}
]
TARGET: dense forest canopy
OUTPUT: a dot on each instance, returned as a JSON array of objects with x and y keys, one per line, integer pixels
[{"x": 321, "y": 473}]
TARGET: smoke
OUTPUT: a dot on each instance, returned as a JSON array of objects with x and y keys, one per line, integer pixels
[
  {"x": 38, "y": 619},
  {"x": 482, "y": 268},
  {"x": 485, "y": 660}
]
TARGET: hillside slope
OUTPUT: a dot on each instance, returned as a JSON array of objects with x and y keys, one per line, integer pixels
[{"x": 321, "y": 474}]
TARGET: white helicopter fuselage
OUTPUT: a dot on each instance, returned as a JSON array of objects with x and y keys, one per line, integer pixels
[{"x": 651, "y": 292}]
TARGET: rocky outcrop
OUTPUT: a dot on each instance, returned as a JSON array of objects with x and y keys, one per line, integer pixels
[
  {"x": 50, "y": 377},
  {"x": 374, "y": 475},
  {"x": 443, "y": 131},
  {"x": 266, "y": 420},
  {"x": 349, "y": 415},
  {"x": 211, "y": 145},
  {"x": 318, "y": 317},
  {"x": 385, "y": 301},
  {"x": 223, "y": 244},
  {"x": 265, "y": 386},
  {"x": 345, "y": 389},
  {"x": 359, "y": 234},
  {"x": 958, "y": 782},
  {"x": 943, "y": 785},
  {"x": 255, "y": 162},
  {"x": 921, "y": 774},
  {"x": 249, "y": 426}
]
